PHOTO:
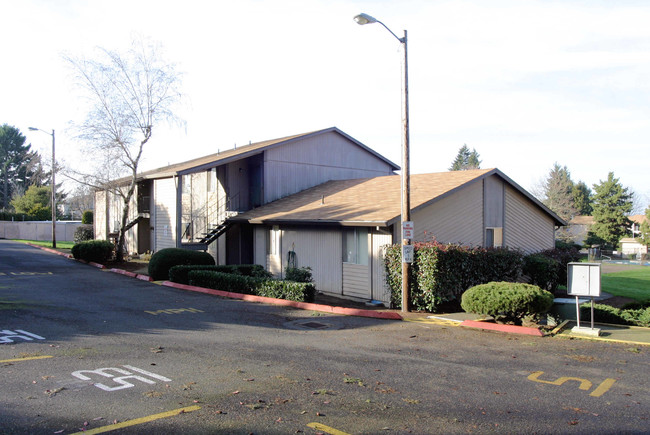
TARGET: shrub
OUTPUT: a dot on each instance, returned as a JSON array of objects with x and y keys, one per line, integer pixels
[
  {"x": 294, "y": 291},
  {"x": 563, "y": 256},
  {"x": 167, "y": 258},
  {"x": 638, "y": 314},
  {"x": 97, "y": 251},
  {"x": 298, "y": 274},
  {"x": 180, "y": 273},
  {"x": 87, "y": 217},
  {"x": 83, "y": 233},
  {"x": 507, "y": 302},
  {"x": 542, "y": 271},
  {"x": 441, "y": 273}
]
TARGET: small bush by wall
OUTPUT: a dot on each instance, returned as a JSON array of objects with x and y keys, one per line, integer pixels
[
  {"x": 441, "y": 273},
  {"x": 298, "y": 274},
  {"x": 507, "y": 302},
  {"x": 97, "y": 251},
  {"x": 83, "y": 233},
  {"x": 87, "y": 217},
  {"x": 167, "y": 258}
]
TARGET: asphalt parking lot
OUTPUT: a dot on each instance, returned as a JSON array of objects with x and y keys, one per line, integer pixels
[{"x": 83, "y": 349}]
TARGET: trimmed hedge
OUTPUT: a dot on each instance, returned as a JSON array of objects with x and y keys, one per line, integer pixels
[
  {"x": 298, "y": 274},
  {"x": 293, "y": 291},
  {"x": 180, "y": 273},
  {"x": 167, "y": 258},
  {"x": 542, "y": 271},
  {"x": 507, "y": 302},
  {"x": 441, "y": 273},
  {"x": 97, "y": 251}
]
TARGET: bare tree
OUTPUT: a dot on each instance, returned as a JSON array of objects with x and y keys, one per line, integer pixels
[{"x": 128, "y": 95}]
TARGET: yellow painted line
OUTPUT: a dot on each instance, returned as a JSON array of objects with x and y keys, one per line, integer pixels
[
  {"x": 28, "y": 358},
  {"x": 137, "y": 421},
  {"x": 327, "y": 429},
  {"x": 434, "y": 321},
  {"x": 603, "y": 387}
]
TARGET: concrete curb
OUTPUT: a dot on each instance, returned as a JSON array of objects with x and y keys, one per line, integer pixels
[
  {"x": 512, "y": 329},
  {"x": 302, "y": 305}
]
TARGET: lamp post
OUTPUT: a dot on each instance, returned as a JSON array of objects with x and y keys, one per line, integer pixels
[
  {"x": 362, "y": 19},
  {"x": 53, "y": 184}
]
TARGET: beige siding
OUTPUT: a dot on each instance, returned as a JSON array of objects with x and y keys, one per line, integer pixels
[
  {"x": 297, "y": 166},
  {"x": 380, "y": 290},
  {"x": 458, "y": 218},
  {"x": 259, "y": 241},
  {"x": 100, "y": 215},
  {"x": 165, "y": 213},
  {"x": 319, "y": 249},
  {"x": 527, "y": 227},
  {"x": 356, "y": 281}
]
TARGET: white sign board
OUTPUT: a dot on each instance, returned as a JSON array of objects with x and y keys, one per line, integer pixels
[
  {"x": 583, "y": 279},
  {"x": 407, "y": 230},
  {"x": 407, "y": 253}
]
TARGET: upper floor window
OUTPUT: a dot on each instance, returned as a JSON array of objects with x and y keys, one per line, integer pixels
[
  {"x": 212, "y": 180},
  {"x": 494, "y": 237}
]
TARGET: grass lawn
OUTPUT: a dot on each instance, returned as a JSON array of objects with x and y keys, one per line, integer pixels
[
  {"x": 48, "y": 244},
  {"x": 633, "y": 283}
]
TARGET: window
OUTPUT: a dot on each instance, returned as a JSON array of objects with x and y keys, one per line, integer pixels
[
  {"x": 187, "y": 184},
  {"x": 493, "y": 237},
  {"x": 273, "y": 241},
  {"x": 355, "y": 246}
]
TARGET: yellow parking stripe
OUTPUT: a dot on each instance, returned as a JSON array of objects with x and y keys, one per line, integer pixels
[
  {"x": 326, "y": 429},
  {"x": 27, "y": 358},
  {"x": 138, "y": 420}
]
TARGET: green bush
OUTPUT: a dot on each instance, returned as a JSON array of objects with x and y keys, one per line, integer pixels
[
  {"x": 542, "y": 271},
  {"x": 180, "y": 273},
  {"x": 563, "y": 256},
  {"x": 87, "y": 217},
  {"x": 294, "y": 291},
  {"x": 298, "y": 274},
  {"x": 97, "y": 251},
  {"x": 637, "y": 315},
  {"x": 83, "y": 233},
  {"x": 441, "y": 273},
  {"x": 507, "y": 302},
  {"x": 167, "y": 258}
]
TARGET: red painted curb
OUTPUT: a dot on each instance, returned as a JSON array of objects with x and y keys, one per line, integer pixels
[
  {"x": 302, "y": 305},
  {"x": 144, "y": 277},
  {"x": 97, "y": 265},
  {"x": 123, "y": 272},
  {"x": 513, "y": 329},
  {"x": 53, "y": 251}
]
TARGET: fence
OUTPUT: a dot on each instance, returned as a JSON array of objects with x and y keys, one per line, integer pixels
[{"x": 38, "y": 230}]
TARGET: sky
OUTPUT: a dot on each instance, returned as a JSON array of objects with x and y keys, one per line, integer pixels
[{"x": 527, "y": 83}]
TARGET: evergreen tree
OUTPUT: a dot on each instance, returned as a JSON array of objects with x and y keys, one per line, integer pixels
[
  {"x": 558, "y": 195},
  {"x": 611, "y": 204},
  {"x": 582, "y": 198},
  {"x": 35, "y": 202},
  {"x": 645, "y": 227},
  {"x": 18, "y": 164},
  {"x": 466, "y": 159}
]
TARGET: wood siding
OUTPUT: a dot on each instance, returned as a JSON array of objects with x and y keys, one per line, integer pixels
[
  {"x": 527, "y": 227},
  {"x": 457, "y": 218},
  {"x": 297, "y": 166},
  {"x": 100, "y": 215},
  {"x": 164, "y": 213},
  {"x": 319, "y": 249},
  {"x": 356, "y": 281}
]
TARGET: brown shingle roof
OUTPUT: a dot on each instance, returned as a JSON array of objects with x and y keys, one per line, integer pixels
[{"x": 374, "y": 201}]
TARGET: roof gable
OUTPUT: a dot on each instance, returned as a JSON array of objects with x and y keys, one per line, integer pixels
[
  {"x": 370, "y": 201},
  {"x": 238, "y": 153}
]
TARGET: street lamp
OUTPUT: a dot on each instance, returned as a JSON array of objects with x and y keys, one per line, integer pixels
[
  {"x": 53, "y": 185},
  {"x": 406, "y": 201}
]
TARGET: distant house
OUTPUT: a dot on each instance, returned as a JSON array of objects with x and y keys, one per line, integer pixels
[
  {"x": 338, "y": 228},
  {"x": 187, "y": 204}
]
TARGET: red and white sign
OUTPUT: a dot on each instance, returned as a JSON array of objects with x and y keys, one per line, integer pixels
[{"x": 408, "y": 229}]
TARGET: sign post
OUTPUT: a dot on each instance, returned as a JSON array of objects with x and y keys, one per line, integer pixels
[{"x": 583, "y": 279}]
